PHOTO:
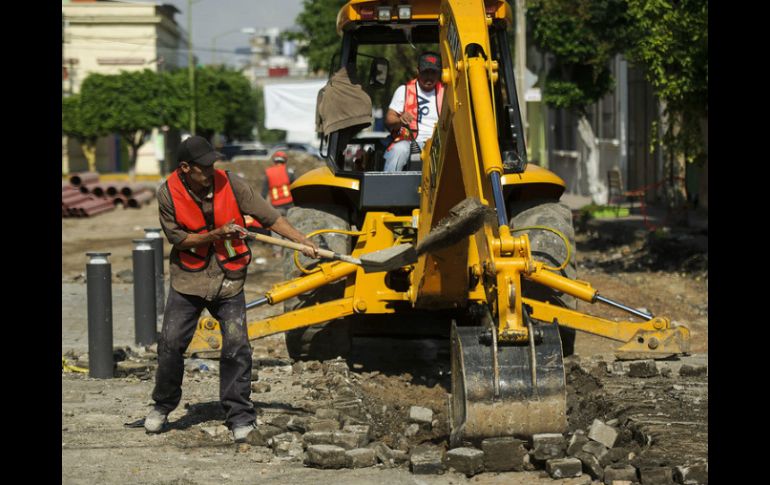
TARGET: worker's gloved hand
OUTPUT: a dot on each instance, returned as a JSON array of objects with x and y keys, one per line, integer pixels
[
  {"x": 312, "y": 251},
  {"x": 227, "y": 231}
]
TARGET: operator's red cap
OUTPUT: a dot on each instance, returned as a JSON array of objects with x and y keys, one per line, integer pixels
[{"x": 279, "y": 156}]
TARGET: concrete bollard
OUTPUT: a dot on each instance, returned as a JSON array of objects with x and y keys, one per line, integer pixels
[
  {"x": 153, "y": 233},
  {"x": 99, "y": 297},
  {"x": 145, "y": 317}
]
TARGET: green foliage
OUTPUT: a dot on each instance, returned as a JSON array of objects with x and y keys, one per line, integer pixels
[
  {"x": 318, "y": 21},
  {"x": 583, "y": 36},
  {"x": 72, "y": 122},
  {"x": 226, "y": 103},
  {"x": 672, "y": 45}
]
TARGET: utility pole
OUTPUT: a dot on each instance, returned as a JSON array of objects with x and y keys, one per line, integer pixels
[
  {"x": 191, "y": 68},
  {"x": 521, "y": 61}
]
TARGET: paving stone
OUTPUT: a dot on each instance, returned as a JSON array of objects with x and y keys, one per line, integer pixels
[
  {"x": 427, "y": 459},
  {"x": 606, "y": 435},
  {"x": 127, "y": 368},
  {"x": 661, "y": 475},
  {"x": 326, "y": 456},
  {"x": 327, "y": 413},
  {"x": 576, "y": 442},
  {"x": 346, "y": 440},
  {"x": 642, "y": 368},
  {"x": 262, "y": 434},
  {"x": 420, "y": 415},
  {"x": 469, "y": 461},
  {"x": 323, "y": 425},
  {"x": 299, "y": 423},
  {"x": 614, "y": 473},
  {"x": 598, "y": 450},
  {"x": 546, "y": 446},
  {"x": 412, "y": 430},
  {"x": 318, "y": 438},
  {"x": 360, "y": 458},
  {"x": 363, "y": 431},
  {"x": 286, "y": 444},
  {"x": 351, "y": 407},
  {"x": 618, "y": 368},
  {"x": 688, "y": 370},
  {"x": 591, "y": 465},
  {"x": 564, "y": 467},
  {"x": 615, "y": 455},
  {"x": 692, "y": 475},
  {"x": 503, "y": 454},
  {"x": 279, "y": 421}
]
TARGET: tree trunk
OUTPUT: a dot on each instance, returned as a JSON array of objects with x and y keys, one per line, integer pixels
[
  {"x": 674, "y": 171},
  {"x": 596, "y": 187},
  {"x": 89, "y": 151},
  {"x": 136, "y": 140}
]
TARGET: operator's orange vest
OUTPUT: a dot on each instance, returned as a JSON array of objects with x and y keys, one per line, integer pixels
[
  {"x": 278, "y": 183},
  {"x": 410, "y": 106},
  {"x": 233, "y": 256}
]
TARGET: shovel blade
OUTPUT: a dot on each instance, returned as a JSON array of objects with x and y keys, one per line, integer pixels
[{"x": 389, "y": 259}]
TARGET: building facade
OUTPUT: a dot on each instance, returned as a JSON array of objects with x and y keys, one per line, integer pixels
[{"x": 107, "y": 37}]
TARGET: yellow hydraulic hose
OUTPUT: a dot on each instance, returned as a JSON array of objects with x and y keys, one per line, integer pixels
[
  {"x": 558, "y": 233},
  {"x": 315, "y": 233}
]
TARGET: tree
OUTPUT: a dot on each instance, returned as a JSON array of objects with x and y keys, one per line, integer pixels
[
  {"x": 583, "y": 36},
  {"x": 130, "y": 104},
  {"x": 318, "y": 21},
  {"x": 226, "y": 102},
  {"x": 672, "y": 45},
  {"x": 74, "y": 127}
]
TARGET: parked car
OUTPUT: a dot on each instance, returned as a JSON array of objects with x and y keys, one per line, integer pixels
[
  {"x": 244, "y": 150},
  {"x": 297, "y": 147}
]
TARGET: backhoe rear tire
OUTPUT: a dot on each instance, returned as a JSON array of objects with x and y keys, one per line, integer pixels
[
  {"x": 550, "y": 249},
  {"x": 332, "y": 339}
]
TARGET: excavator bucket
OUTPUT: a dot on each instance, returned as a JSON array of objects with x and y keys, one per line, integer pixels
[{"x": 518, "y": 406}]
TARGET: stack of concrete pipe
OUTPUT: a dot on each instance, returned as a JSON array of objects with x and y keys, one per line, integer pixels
[{"x": 85, "y": 196}]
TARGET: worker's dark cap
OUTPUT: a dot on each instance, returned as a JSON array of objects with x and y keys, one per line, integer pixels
[
  {"x": 429, "y": 60},
  {"x": 198, "y": 150}
]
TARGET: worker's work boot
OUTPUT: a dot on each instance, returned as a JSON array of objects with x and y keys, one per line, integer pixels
[
  {"x": 155, "y": 421},
  {"x": 240, "y": 432}
]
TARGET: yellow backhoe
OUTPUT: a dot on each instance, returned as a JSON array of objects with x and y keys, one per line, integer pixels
[{"x": 500, "y": 281}]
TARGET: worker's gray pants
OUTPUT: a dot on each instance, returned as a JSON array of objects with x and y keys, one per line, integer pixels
[
  {"x": 179, "y": 322},
  {"x": 397, "y": 157}
]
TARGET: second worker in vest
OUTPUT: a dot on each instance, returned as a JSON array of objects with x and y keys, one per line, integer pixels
[
  {"x": 414, "y": 111},
  {"x": 198, "y": 206},
  {"x": 275, "y": 188}
]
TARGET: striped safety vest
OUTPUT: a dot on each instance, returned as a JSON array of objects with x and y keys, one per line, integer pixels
[
  {"x": 410, "y": 106},
  {"x": 233, "y": 256},
  {"x": 278, "y": 183}
]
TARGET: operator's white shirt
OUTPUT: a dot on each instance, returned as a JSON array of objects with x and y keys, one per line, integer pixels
[{"x": 427, "y": 113}]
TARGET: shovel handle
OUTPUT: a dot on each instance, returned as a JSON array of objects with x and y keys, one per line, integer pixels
[{"x": 324, "y": 253}]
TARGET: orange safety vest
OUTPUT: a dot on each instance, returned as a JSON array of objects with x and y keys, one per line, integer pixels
[
  {"x": 278, "y": 183},
  {"x": 410, "y": 106},
  {"x": 233, "y": 256}
]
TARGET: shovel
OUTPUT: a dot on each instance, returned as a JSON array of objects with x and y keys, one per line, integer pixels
[{"x": 382, "y": 260}]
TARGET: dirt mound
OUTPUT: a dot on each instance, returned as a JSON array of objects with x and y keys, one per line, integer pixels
[{"x": 253, "y": 170}]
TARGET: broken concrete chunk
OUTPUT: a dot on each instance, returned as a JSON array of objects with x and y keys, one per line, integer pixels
[
  {"x": 345, "y": 440},
  {"x": 688, "y": 370},
  {"x": 326, "y": 456},
  {"x": 360, "y": 458},
  {"x": 595, "y": 448},
  {"x": 427, "y": 459},
  {"x": 260, "y": 387},
  {"x": 286, "y": 444},
  {"x": 279, "y": 421},
  {"x": 546, "y": 446},
  {"x": 564, "y": 467},
  {"x": 336, "y": 366},
  {"x": 317, "y": 438},
  {"x": 576, "y": 442},
  {"x": 214, "y": 431},
  {"x": 692, "y": 475},
  {"x": 642, "y": 368},
  {"x": 363, "y": 432},
  {"x": 420, "y": 415},
  {"x": 661, "y": 475},
  {"x": 615, "y": 455},
  {"x": 614, "y": 473},
  {"x": 606, "y": 435},
  {"x": 323, "y": 425},
  {"x": 412, "y": 430},
  {"x": 503, "y": 454},
  {"x": 327, "y": 413},
  {"x": 260, "y": 435},
  {"x": 469, "y": 461},
  {"x": 591, "y": 464}
]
